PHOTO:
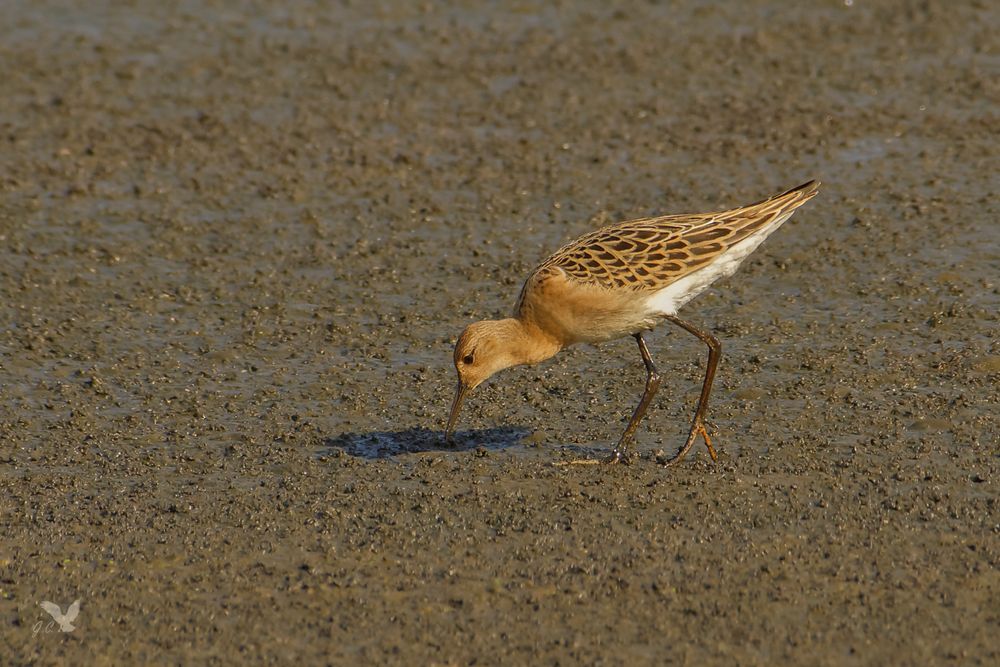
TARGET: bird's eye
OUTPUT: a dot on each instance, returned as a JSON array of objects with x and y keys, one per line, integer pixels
[{"x": 467, "y": 359}]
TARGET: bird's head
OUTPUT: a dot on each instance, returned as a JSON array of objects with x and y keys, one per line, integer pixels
[{"x": 485, "y": 348}]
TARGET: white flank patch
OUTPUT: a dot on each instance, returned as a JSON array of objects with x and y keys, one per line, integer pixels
[{"x": 669, "y": 299}]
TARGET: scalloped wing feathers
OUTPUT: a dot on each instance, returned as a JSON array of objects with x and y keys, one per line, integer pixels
[{"x": 651, "y": 253}]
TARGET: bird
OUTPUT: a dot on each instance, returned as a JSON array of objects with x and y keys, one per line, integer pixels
[
  {"x": 65, "y": 621},
  {"x": 617, "y": 281}
]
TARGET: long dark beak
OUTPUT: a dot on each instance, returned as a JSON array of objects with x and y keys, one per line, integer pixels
[{"x": 460, "y": 391}]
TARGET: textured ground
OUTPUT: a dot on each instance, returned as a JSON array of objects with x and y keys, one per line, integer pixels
[{"x": 236, "y": 247}]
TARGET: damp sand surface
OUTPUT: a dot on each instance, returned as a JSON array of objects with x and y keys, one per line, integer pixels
[{"x": 237, "y": 245}]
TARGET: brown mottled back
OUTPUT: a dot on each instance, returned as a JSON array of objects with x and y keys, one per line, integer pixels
[{"x": 651, "y": 253}]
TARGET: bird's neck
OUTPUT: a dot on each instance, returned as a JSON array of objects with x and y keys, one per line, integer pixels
[{"x": 526, "y": 342}]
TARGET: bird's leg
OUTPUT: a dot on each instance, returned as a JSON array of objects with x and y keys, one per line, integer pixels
[
  {"x": 620, "y": 452},
  {"x": 698, "y": 424}
]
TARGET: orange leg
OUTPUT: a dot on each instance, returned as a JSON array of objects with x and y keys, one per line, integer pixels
[
  {"x": 698, "y": 424},
  {"x": 620, "y": 452}
]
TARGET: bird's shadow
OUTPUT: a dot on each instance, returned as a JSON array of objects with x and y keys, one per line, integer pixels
[{"x": 386, "y": 444}]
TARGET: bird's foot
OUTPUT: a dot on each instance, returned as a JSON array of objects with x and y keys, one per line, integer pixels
[
  {"x": 697, "y": 429},
  {"x": 618, "y": 455},
  {"x": 703, "y": 432}
]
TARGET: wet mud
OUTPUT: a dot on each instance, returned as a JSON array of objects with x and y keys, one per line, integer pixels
[{"x": 236, "y": 247}]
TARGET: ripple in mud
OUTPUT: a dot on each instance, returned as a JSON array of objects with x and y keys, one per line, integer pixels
[{"x": 386, "y": 444}]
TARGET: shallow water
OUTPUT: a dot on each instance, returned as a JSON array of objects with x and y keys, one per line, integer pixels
[{"x": 236, "y": 248}]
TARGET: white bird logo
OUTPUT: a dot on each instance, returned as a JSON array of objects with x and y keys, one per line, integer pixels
[{"x": 65, "y": 621}]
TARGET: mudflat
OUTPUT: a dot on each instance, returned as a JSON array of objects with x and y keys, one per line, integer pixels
[{"x": 236, "y": 247}]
